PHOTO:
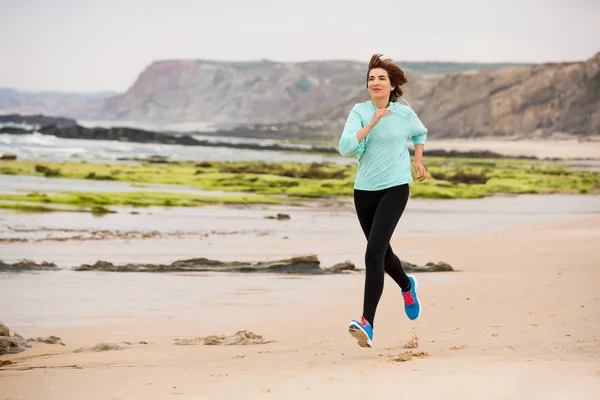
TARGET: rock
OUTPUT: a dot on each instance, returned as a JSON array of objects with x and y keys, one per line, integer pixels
[
  {"x": 240, "y": 338},
  {"x": 156, "y": 159},
  {"x": 407, "y": 266},
  {"x": 124, "y": 134},
  {"x": 429, "y": 267},
  {"x": 100, "y": 347},
  {"x": 297, "y": 265},
  {"x": 345, "y": 266},
  {"x": 48, "y": 340},
  {"x": 279, "y": 217},
  {"x": 189, "y": 342},
  {"x": 4, "y": 331},
  {"x": 143, "y": 342},
  {"x": 14, "y": 130},
  {"x": 28, "y": 265},
  {"x": 12, "y": 345},
  {"x": 5, "y": 362},
  {"x": 35, "y": 120},
  {"x": 8, "y": 157}
]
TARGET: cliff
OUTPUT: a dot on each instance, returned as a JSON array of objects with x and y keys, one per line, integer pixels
[{"x": 544, "y": 100}]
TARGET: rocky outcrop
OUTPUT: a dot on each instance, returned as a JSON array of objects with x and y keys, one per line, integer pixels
[
  {"x": 310, "y": 265},
  {"x": 241, "y": 338},
  {"x": 554, "y": 100},
  {"x": 124, "y": 134},
  {"x": 8, "y": 157},
  {"x": 429, "y": 267},
  {"x": 536, "y": 101},
  {"x": 35, "y": 120},
  {"x": 48, "y": 340},
  {"x": 11, "y": 344},
  {"x": 27, "y": 265},
  {"x": 99, "y": 348},
  {"x": 14, "y": 131},
  {"x": 15, "y": 343},
  {"x": 345, "y": 266},
  {"x": 279, "y": 217},
  {"x": 299, "y": 265}
]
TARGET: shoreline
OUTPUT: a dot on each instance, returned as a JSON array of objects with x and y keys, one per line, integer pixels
[{"x": 521, "y": 340}]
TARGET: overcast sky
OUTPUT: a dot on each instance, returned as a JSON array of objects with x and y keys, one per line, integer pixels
[{"x": 96, "y": 45}]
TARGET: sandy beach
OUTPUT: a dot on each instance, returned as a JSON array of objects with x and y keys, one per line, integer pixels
[{"x": 519, "y": 318}]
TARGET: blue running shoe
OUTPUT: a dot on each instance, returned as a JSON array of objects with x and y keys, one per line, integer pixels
[
  {"x": 412, "y": 305},
  {"x": 362, "y": 331}
]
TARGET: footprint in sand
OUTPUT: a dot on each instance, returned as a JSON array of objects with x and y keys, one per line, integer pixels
[
  {"x": 409, "y": 355},
  {"x": 414, "y": 341}
]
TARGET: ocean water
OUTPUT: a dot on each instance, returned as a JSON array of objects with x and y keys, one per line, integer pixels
[{"x": 50, "y": 148}]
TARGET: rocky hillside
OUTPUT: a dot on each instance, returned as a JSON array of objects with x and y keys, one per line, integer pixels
[
  {"x": 247, "y": 92},
  {"x": 228, "y": 92},
  {"x": 310, "y": 100},
  {"x": 544, "y": 100}
]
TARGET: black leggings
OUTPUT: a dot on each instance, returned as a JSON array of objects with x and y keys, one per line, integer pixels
[{"x": 378, "y": 213}]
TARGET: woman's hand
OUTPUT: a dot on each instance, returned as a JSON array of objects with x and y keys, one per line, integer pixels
[
  {"x": 420, "y": 169},
  {"x": 378, "y": 115}
]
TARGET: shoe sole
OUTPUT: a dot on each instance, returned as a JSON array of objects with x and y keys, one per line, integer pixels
[
  {"x": 360, "y": 335},
  {"x": 420, "y": 304}
]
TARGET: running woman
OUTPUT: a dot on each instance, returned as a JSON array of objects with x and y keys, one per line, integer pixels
[{"x": 377, "y": 132}]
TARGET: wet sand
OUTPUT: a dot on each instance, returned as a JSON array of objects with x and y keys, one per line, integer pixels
[
  {"x": 243, "y": 233},
  {"x": 520, "y": 319}
]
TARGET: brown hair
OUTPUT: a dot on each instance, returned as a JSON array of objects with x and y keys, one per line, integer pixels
[{"x": 397, "y": 77}]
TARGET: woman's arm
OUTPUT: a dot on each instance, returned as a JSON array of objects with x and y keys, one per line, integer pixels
[
  {"x": 418, "y": 140},
  {"x": 349, "y": 143},
  {"x": 418, "y": 162}
]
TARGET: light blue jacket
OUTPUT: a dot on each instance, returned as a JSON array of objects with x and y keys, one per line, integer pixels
[{"x": 383, "y": 157}]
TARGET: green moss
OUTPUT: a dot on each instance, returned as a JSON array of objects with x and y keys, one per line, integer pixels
[
  {"x": 27, "y": 207},
  {"x": 8, "y": 171},
  {"x": 100, "y": 210},
  {"x": 98, "y": 202},
  {"x": 275, "y": 182}
]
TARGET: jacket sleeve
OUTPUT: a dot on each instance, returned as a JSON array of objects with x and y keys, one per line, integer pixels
[
  {"x": 348, "y": 144},
  {"x": 418, "y": 130}
]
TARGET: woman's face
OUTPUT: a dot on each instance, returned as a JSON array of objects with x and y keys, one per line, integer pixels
[{"x": 379, "y": 84}]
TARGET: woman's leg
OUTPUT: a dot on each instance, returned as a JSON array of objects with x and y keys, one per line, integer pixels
[
  {"x": 379, "y": 213},
  {"x": 393, "y": 267},
  {"x": 366, "y": 203}
]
